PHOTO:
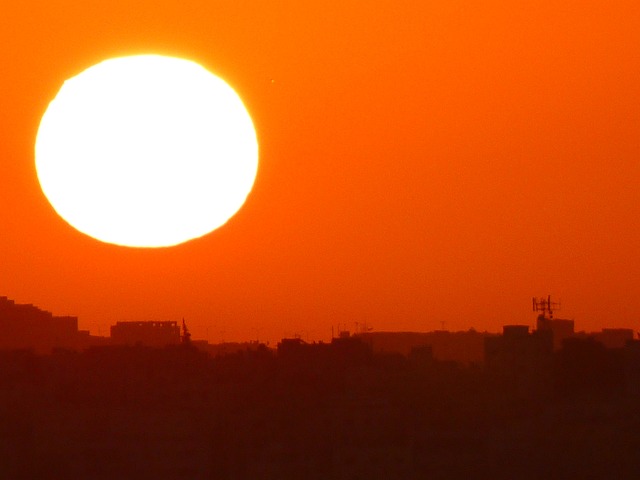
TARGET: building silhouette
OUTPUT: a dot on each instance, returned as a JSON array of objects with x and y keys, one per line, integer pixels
[
  {"x": 521, "y": 361},
  {"x": 317, "y": 410},
  {"x": 464, "y": 347},
  {"x": 25, "y": 326},
  {"x": 559, "y": 329},
  {"x": 151, "y": 334},
  {"x": 614, "y": 337}
]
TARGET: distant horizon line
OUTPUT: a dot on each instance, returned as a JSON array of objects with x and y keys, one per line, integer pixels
[{"x": 360, "y": 332}]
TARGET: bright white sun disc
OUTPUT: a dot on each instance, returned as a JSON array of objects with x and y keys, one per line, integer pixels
[{"x": 146, "y": 151}]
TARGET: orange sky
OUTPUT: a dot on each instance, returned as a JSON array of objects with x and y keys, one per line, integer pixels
[{"x": 421, "y": 162}]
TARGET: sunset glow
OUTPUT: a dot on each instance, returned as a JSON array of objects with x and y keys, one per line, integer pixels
[
  {"x": 146, "y": 151},
  {"x": 422, "y": 166},
  {"x": 329, "y": 239}
]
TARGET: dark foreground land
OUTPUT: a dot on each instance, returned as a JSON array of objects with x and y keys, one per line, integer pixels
[{"x": 318, "y": 413}]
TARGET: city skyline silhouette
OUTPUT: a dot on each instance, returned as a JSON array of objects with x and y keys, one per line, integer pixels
[
  {"x": 346, "y": 409},
  {"x": 25, "y": 326}
]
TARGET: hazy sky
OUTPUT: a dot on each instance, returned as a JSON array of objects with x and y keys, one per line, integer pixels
[{"x": 420, "y": 162}]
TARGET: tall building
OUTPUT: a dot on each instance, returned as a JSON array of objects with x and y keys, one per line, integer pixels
[
  {"x": 520, "y": 360},
  {"x": 558, "y": 328},
  {"x": 517, "y": 346},
  {"x": 151, "y": 334},
  {"x": 28, "y": 327},
  {"x": 614, "y": 337}
]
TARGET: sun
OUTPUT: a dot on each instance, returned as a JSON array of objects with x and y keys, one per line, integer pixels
[{"x": 146, "y": 151}]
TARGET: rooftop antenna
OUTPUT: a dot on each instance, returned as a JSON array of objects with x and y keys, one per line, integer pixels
[
  {"x": 546, "y": 306},
  {"x": 186, "y": 336}
]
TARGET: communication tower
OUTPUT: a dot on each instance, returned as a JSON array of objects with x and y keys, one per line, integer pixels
[{"x": 546, "y": 306}]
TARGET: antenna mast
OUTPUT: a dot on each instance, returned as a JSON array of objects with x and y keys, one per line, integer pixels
[
  {"x": 186, "y": 336},
  {"x": 546, "y": 306}
]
